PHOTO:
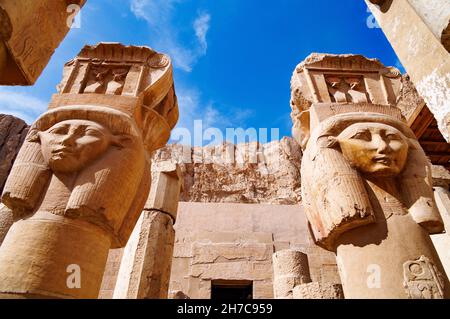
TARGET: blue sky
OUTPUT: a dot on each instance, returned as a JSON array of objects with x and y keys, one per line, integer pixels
[{"x": 233, "y": 58}]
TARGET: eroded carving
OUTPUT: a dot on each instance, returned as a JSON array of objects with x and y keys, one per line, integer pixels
[
  {"x": 33, "y": 31},
  {"x": 106, "y": 80},
  {"x": 423, "y": 280},
  {"x": 366, "y": 182},
  {"x": 66, "y": 148},
  {"x": 347, "y": 152},
  {"x": 81, "y": 179},
  {"x": 343, "y": 79}
]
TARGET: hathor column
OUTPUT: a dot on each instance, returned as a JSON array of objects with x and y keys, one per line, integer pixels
[
  {"x": 82, "y": 177},
  {"x": 419, "y": 32},
  {"x": 30, "y": 31},
  {"x": 366, "y": 182}
]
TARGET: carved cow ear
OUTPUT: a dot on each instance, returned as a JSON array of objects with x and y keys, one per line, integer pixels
[
  {"x": 327, "y": 141},
  {"x": 34, "y": 137},
  {"x": 123, "y": 140}
]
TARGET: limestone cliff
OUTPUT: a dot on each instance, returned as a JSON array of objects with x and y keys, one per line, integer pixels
[{"x": 243, "y": 173}]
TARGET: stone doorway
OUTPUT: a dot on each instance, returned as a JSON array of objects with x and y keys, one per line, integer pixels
[{"x": 231, "y": 289}]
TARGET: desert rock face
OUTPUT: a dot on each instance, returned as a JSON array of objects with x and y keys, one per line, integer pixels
[
  {"x": 270, "y": 175},
  {"x": 12, "y": 133}
]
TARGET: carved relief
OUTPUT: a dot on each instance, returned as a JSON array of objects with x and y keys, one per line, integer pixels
[
  {"x": 35, "y": 30},
  {"x": 422, "y": 279},
  {"x": 339, "y": 79},
  {"x": 346, "y": 89},
  {"x": 350, "y": 152},
  {"x": 103, "y": 79},
  {"x": 90, "y": 151}
]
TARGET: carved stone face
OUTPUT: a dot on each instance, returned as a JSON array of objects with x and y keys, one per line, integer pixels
[
  {"x": 70, "y": 145},
  {"x": 374, "y": 148}
]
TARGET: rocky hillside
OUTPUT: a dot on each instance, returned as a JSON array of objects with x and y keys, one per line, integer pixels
[{"x": 244, "y": 173}]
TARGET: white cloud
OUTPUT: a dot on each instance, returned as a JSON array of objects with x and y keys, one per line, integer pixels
[
  {"x": 159, "y": 15},
  {"x": 21, "y": 105},
  {"x": 201, "y": 27}
]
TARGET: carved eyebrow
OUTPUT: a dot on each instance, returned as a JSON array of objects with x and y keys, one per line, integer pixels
[
  {"x": 59, "y": 127},
  {"x": 360, "y": 131}
]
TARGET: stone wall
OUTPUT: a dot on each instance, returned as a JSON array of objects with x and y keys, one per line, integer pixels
[{"x": 234, "y": 242}]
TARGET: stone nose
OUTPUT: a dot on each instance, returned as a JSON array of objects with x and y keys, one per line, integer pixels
[
  {"x": 69, "y": 139},
  {"x": 382, "y": 145}
]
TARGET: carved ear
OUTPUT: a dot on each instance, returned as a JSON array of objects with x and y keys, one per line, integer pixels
[
  {"x": 123, "y": 140},
  {"x": 34, "y": 137},
  {"x": 327, "y": 141}
]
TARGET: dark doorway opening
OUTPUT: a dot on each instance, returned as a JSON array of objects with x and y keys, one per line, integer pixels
[{"x": 232, "y": 289}]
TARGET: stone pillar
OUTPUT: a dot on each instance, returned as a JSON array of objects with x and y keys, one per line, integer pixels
[
  {"x": 30, "y": 32},
  {"x": 317, "y": 290},
  {"x": 366, "y": 182},
  {"x": 442, "y": 241},
  {"x": 419, "y": 32},
  {"x": 290, "y": 268},
  {"x": 147, "y": 260},
  {"x": 81, "y": 179}
]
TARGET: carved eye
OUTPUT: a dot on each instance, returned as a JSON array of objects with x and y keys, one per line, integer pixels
[
  {"x": 365, "y": 135},
  {"x": 60, "y": 130},
  {"x": 392, "y": 137},
  {"x": 93, "y": 132}
]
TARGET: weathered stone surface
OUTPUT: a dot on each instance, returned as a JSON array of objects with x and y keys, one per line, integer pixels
[
  {"x": 146, "y": 263},
  {"x": 442, "y": 241},
  {"x": 12, "y": 134},
  {"x": 272, "y": 177},
  {"x": 316, "y": 290},
  {"x": 290, "y": 268},
  {"x": 366, "y": 182},
  {"x": 81, "y": 179},
  {"x": 441, "y": 176},
  {"x": 417, "y": 30},
  {"x": 147, "y": 260},
  {"x": 409, "y": 100},
  {"x": 30, "y": 31},
  {"x": 6, "y": 220},
  {"x": 228, "y": 241}
]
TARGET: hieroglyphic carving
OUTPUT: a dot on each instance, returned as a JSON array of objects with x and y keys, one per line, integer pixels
[
  {"x": 422, "y": 279},
  {"x": 36, "y": 28}
]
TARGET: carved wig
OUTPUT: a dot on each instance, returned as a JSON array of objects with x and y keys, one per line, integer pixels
[
  {"x": 104, "y": 190},
  {"x": 334, "y": 193}
]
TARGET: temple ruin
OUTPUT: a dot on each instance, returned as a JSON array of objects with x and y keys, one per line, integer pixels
[{"x": 356, "y": 204}]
